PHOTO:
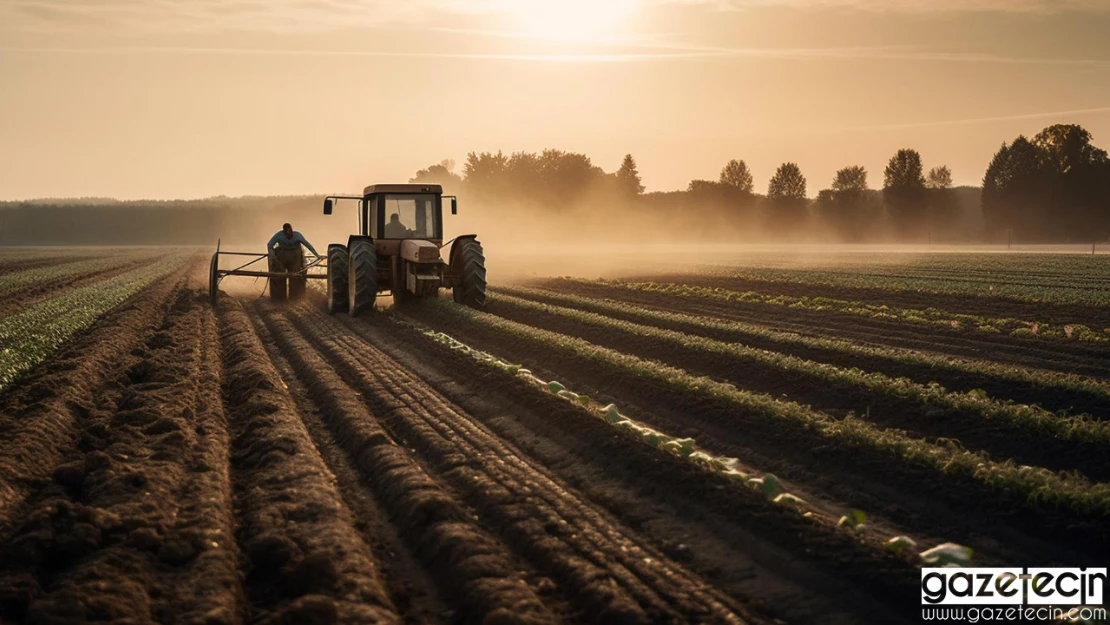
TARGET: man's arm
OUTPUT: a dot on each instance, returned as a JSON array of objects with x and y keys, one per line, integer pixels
[
  {"x": 270, "y": 245},
  {"x": 304, "y": 241}
]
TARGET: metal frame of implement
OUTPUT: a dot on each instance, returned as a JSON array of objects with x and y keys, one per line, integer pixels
[{"x": 215, "y": 274}]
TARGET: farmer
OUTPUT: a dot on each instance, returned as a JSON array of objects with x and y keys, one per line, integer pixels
[
  {"x": 286, "y": 255},
  {"x": 395, "y": 229}
]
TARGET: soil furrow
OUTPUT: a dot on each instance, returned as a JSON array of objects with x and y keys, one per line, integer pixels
[
  {"x": 907, "y": 495},
  {"x": 304, "y": 560},
  {"x": 112, "y": 539},
  {"x": 524, "y": 501},
  {"x": 409, "y": 584},
  {"x": 922, "y": 419},
  {"x": 1041, "y": 354},
  {"x": 22, "y": 297},
  {"x": 471, "y": 566},
  {"x": 39, "y": 417},
  {"x": 991, "y": 306},
  {"x": 749, "y": 547},
  {"x": 956, "y": 378}
]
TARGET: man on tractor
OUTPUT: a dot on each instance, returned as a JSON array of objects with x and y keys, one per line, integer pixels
[{"x": 287, "y": 255}]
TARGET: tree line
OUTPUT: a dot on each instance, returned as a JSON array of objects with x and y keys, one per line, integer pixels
[{"x": 1055, "y": 187}]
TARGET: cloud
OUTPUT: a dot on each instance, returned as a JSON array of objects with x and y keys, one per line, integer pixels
[{"x": 326, "y": 15}]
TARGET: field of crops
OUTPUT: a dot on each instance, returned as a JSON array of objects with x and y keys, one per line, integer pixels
[{"x": 778, "y": 442}]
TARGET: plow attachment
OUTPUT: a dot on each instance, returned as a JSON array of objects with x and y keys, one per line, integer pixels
[{"x": 312, "y": 270}]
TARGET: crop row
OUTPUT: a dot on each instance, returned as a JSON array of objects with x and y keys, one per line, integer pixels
[
  {"x": 73, "y": 268},
  {"x": 1078, "y": 289},
  {"x": 1067, "y": 278},
  {"x": 27, "y": 338},
  {"x": 934, "y": 366},
  {"x": 768, "y": 485},
  {"x": 925, "y": 316},
  {"x": 874, "y": 385},
  {"x": 1031, "y": 487}
]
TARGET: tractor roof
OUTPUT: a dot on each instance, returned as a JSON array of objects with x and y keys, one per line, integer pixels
[{"x": 403, "y": 188}]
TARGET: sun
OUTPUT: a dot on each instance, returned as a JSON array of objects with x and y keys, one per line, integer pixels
[{"x": 572, "y": 19}]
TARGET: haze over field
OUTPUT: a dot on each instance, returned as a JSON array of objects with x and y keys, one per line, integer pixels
[{"x": 142, "y": 99}]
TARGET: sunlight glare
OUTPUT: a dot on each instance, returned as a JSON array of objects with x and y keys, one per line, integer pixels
[{"x": 573, "y": 19}]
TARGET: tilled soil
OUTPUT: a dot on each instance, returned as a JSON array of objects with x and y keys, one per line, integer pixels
[
  {"x": 1090, "y": 359},
  {"x": 921, "y": 419},
  {"x": 18, "y": 299},
  {"x": 260, "y": 463},
  {"x": 1043, "y": 311},
  {"x": 964, "y": 512}
]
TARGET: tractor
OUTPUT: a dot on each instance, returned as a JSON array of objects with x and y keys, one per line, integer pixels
[{"x": 398, "y": 249}]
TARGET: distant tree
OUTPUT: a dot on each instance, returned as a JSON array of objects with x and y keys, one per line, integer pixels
[
  {"x": 787, "y": 185},
  {"x": 844, "y": 207},
  {"x": 736, "y": 174},
  {"x": 441, "y": 174},
  {"x": 943, "y": 217},
  {"x": 1014, "y": 190},
  {"x": 628, "y": 177},
  {"x": 939, "y": 178},
  {"x": 568, "y": 176},
  {"x": 703, "y": 186},
  {"x": 786, "y": 199},
  {"x": 904, "y": 192},
  {"x": 1076, "y": 175},
  {"x": 485, "y": 171}
]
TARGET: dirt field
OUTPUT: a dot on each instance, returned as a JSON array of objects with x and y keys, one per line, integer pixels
[{"x": 267, "y": 463}]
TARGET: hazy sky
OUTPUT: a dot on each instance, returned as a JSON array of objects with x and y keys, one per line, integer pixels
[{"x": 191, "y": 98}]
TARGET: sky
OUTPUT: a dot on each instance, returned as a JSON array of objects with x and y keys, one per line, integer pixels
[{"x": 195, "y": 98}]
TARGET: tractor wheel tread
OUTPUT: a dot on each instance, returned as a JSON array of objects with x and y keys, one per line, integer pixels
[
  {"x": 362, "y": 277},
  {"x": 472, "y": 262},
  {"x": 338, "y": 259}
]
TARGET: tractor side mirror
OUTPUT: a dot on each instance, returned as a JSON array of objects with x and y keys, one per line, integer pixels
[
  {"x": 327, "y": 206},
  {"x": 454, "y": 206}
]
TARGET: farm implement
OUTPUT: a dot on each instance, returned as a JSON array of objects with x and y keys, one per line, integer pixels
[{"x": 398, "y": 250}]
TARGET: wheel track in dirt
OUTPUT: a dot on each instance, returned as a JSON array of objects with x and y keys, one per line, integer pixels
[
  {"x": 1068, "y": 357},
  {"x": 577, "y": 545},
  {"x": 906, "y": 495},
  {"x": 974, "y": 431},
  {"x": 20, "y": 298}
]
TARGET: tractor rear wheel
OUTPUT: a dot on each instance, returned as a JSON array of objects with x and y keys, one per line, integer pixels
[
  {"x": 470, "y": 261},
  {"x": 362, "y": 277},
  {"x": 337, "y": 278}
]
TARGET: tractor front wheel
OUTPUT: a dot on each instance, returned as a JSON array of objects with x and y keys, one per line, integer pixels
[
  {"x": 362, "y": 277},
  {"x": 338, "y": 260},
  {"x": 470, "y": 261}
]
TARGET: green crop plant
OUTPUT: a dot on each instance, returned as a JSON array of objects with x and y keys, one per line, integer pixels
[
  {"x": 974, "y": 403},
  {"x": 833, "y": 348},
  {"x": 29, "y": 337},
  {"x": 927, "y": 316},
  {"x": 1031, "y": 487}
]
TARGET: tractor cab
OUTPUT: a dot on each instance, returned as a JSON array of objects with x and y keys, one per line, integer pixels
[{"x": 398, "y": 249}]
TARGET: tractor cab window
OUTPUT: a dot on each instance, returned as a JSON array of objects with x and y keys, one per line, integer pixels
[{"x": 410, "y": 217}]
